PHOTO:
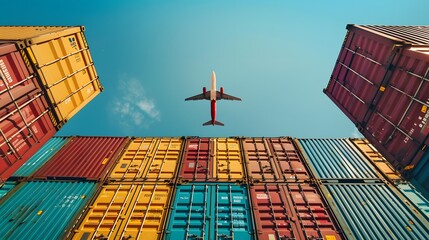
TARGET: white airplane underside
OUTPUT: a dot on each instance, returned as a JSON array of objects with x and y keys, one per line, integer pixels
[{"x": 213, "y": 95}]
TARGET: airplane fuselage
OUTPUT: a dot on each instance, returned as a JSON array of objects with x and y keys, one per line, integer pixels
[{"x": 213, "y": 98}]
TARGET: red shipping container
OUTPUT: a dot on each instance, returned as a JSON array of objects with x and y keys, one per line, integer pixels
[
  {"x": 197, "y": 160},
  {"x": 380, "y": 83},
  {"x": 87, "y": 158},
  {"x": 292, "y": 211},
  {"x": 25, "y": 126}
]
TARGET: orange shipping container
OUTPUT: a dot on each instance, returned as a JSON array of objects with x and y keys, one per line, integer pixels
[{"x": 60, "y": 56}]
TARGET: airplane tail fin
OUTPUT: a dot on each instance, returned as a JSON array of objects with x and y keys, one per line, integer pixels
[{"x": 211, "y": 123}]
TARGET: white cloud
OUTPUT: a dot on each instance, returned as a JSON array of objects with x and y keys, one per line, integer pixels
[{"x": 133, "y": 107}]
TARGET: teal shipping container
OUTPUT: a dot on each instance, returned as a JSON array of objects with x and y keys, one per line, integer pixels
[
  {"x": 210, "y": 211},
  {"x": 6, "y": 187},
  {"x": 414, "y": 196},
  {"x": 336, "y": 159},
  {"x": 40, "y": 157},
  {"x": 421, "y": 173},
  {"x": 374, "y": 211},
  {"x": 42, "y": 209}
]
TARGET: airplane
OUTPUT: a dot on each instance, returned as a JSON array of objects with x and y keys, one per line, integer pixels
[{"x": 213, "y": 95}]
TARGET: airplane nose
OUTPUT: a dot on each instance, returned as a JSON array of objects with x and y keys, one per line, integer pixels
[{"x": 213, "y": 75}]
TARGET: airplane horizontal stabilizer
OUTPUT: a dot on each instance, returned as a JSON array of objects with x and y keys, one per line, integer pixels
[{"x": 211, "y": 123}]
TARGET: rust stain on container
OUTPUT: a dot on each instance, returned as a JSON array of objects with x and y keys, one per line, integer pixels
[
  {"x": 149, "y": 159},
  {"x": 127, "y": 211},
  {"x": 83, "y": 157},
  {"x": 292, "y": 211},
  {"x": 197, "y": 160}
]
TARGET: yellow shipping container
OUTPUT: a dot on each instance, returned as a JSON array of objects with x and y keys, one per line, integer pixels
[
  {"x": 377, "y": 159},
  {"x": 149, "y": 159},
  {"x": 228, "y": 162},
  {"x": 61, "y": 58},
  {"x": 127, "y": 211}
]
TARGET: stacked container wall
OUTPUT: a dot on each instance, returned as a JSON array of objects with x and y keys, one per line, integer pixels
[
  {"x": 292, "y": 211},
  {"x": 148, "y": 159},
  {"x": 380, "y": 83},
  {"x": 415, "y": 197},
  {"x": 40, "y": 157},
  {"x": 374, "y": 211},
  {"x": 336, "y": 159},
  {"x": 377, "y": 160},
  {"x": 127, "y": 211},
  {"x": 212, "y": 159},
  {"x": 421, "y": 172},
  {"x": 43, "y": 210},
  {"x": 87, "y": 158},
  {"x": 6, "y": 187},
  {"x": 25, "y": 116},
  {"x": 61, "y": 58},
  {"x": 273, "y": 160},
  {"x": 210, "y": 211}
]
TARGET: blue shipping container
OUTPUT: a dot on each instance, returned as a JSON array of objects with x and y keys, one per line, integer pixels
[
  {"x": 42, "y": 209},
  {"x": 336, "y": 159},
  {"x": 421, "y": 173},
  {"x": 374, "y": 211},
  {"x": 40, "y": 157},
  {"x": 415, "y": 196},
  {"x": 6, "y": 187},
  {"x": 210, "y": 211}
]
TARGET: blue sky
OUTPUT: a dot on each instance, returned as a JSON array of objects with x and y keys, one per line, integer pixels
[{"x": 276, "y": 55}]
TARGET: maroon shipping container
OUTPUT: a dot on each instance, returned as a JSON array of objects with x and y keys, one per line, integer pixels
[
  {"x": 273, "y": 160},
  {"x": 197, "y": 160},
  {"x": 380, "y": 83},
  {"x": 87, "y": 158},
  {"x": 25, "y": 117},
  {"x": 292, "y": 211}
]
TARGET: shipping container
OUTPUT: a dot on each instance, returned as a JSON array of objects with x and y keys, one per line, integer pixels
[
  {"x": 197, "y": 161},
  {"x": 421, "y": 173},
  {"x": 25, "y": 126},
  {"x": 292, "y": 211},
  {"x": 336, "y": 159},
  {"x": 210, "y": 211},
  {"x": 149, "y": 159},
  {"x": 380, "y": 83},
  {"x": 43, "y": 209},
  {"x": 212, "y": 159},
  {"x": 127, "y": 211},
  {"x": 6, "y": 187},
  {"x": 228, "y": 162},
  {"x": 374, "y": 211},
  {"x": 273, "y": 160},
  {"x": 61, "y": 58},
  {"x": 87, "y": 158},
  {"x": 386, "y": 169},
  {"x": 415, "y": 197}
]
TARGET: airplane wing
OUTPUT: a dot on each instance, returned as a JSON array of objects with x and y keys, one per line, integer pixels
[
  {"x": 225, "y": 96},
  {"x": 201, "y": 96}
]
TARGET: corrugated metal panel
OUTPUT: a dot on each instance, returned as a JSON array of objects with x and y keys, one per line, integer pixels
[
  {"x": 291, "y": 166},
  {"x": 25, "y": 126},
  {"x": 40, "y": 157},
  {"x": 377, "y": 159},
  {"x": 197, "y": 160},
  {"x": 127, "y": 211},
  {"x": 421, "y": 172},
  {"x": 210, "y": 211},
  {"x": 260, "y": 162},
  {"x": 415, "y": 197},
  {"x": 416, "y": 35},
  {"x": 149, "y": 159},
  {"x": 6, "y": 187},
  {"x": 228, "y": 162},
  {"x": 291, "y": 211},
  {"x": 336, "y": 159},
  {"x": 84, "y": 158},
  {"x": 374, "y": 211},
  {"x": 43, "y": 210}
]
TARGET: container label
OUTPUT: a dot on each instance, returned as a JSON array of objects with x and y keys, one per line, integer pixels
[
  {"x": 193, "y": 146},
  {"x": 191, "y": 165},
  {"x": 261, "y": 196},
  {"x": 330, "y": 237},
  {"x": 271, "y": 237},
  {"x": 4, "y": 73}
]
